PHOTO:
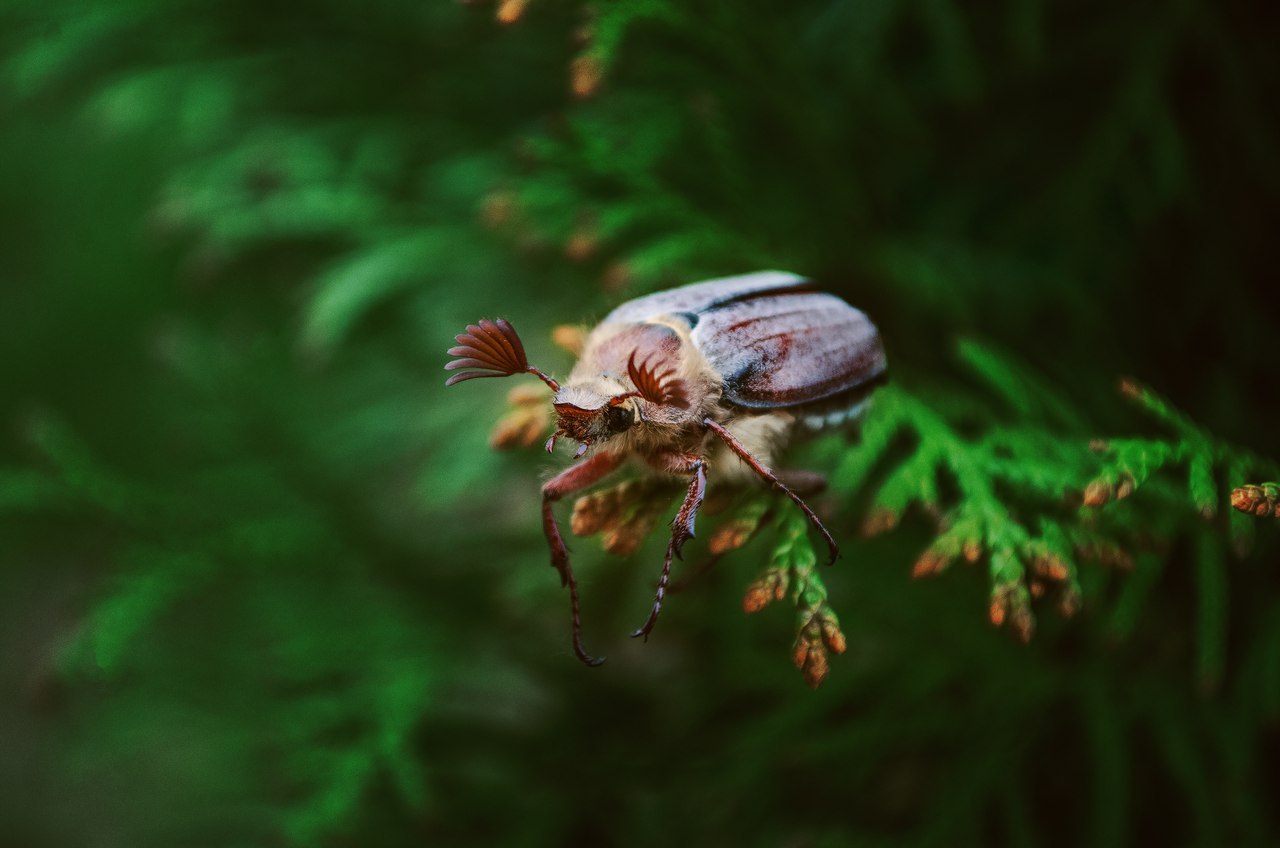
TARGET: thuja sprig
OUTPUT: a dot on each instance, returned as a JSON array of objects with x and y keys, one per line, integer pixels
[
  {"x": 624, "y": 514},
  {"x": 1261, "y": 499},
  {"x": 526, "y": 421},
  {"x": 1009, "y": 486},
  {"x": 740, "y": 527},
  {"x": 793, "y": 567},
  {"x": 1130, "y": 463}
]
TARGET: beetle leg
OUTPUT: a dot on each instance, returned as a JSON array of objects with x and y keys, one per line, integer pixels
[
  {"x": 833, "y": 549},
  {"x": 802, "y": 482},
  {"x": 682, "y": 529},
  {"x": 572, "y": 479}
]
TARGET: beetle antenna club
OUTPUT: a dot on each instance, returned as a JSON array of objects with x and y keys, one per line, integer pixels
[
  {"x": 719, "y": 374},
  {"x": 494, "y": 348}
]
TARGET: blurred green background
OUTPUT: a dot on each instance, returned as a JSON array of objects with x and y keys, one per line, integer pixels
[{"x": 263, "y": 582}]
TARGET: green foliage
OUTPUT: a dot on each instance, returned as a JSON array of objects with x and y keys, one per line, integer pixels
[
  {"x": 262, "y": 582},
  {"x": 793, "y": 566},
  {"x": 1015, "y": 489}
]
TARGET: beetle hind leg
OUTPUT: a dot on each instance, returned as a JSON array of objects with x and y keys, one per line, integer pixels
[
  {"x": 803, "y": 483},
  {"x": 833, "y": 550}
]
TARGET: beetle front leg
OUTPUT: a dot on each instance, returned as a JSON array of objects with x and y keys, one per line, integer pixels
[
  {"x": 682, "y": 527},
  {"x": 572, "y": 479}
]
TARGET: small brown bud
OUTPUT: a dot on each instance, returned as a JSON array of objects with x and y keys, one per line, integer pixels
[
  {"x": 527, "y": 395},
  {"x": 972, "y": 550},
  {"x": 526, "y": 421},
  {"x": 623, "y": 515},
  {"x": 930, "y": 562},
  {"x": 570, "y": 338},
  {"x": 731, "y": 535},
  {"x": 514, "y": 432},
  {"x": 584, "y": 34},
  {"x": 593, "y": 512},
  {"x": 1023, "y": 623},
  {"x": 625, "y": 537},
  {"x": 833, "y": 636},
  {"x": 1054, "y": 567},
  {"x": 510, "y": 11},
  {"x": 879, "y": 521},
  {"x": 1069, "y": 602},
  {"x": 1242, "y": 498},
  {"x": 757, "y": 598},
  {"x": 1124, "y": 488},
  {"x": 1099, "y": 445},
  {"x": 1097, "y": 493},
  {"x": 926, "y": 565},
  {"x": 1131, "y": 389},
  {"x": 581, "y": 246},
  {"x": 996, "y": 611},
  {"x": 1036, "y": 588},
  {"x": 816, "y": 667},
  {"x": 585, "y": 75},
  {"x": 800, "y": 654},
  {"x": 499, "y": 209},
  {"x": 616, "y": 277},
  {"x": 1106, "y": 553}
]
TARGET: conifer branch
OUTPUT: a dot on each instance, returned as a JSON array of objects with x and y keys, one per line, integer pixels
[
  {"x": 1261, "y": 500},
  {"x": 1007, "y": 507},
  {"x": 1128, "y": 464},
  {"x": 793, "y": 567}
]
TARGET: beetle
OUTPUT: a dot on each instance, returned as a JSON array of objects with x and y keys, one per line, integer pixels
[{"x": 718, "y": 374}]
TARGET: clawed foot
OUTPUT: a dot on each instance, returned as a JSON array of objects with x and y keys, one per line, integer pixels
[
  {"x": 582, "y": 654},
  {"x": 661, "y": 593},
  {"x": 833, "y": 550}
]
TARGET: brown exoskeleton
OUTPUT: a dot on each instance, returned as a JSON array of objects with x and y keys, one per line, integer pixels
[{"x": 715, "y": 374}]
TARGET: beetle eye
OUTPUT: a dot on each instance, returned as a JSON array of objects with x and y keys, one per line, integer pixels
[{"x": 619, "y": 417}]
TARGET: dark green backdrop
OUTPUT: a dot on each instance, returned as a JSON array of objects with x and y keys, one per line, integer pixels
[{"x": 263, "y": 582}]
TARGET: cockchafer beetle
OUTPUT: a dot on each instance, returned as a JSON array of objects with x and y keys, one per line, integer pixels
[{"x": 718, "y": 374}]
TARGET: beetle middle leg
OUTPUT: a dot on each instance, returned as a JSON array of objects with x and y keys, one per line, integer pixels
[
  {"x": 572, "y": 479},
  {"x": 682, "y": 526}
]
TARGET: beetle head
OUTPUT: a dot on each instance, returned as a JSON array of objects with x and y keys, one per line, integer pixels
[
  {"x": 589, "y": 411},
  {"x": 594, "y": 411},
  {"x": 602, "y": 408}
]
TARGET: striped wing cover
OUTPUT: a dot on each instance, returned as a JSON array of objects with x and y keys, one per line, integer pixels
[{"x": 775, "y": 341}]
